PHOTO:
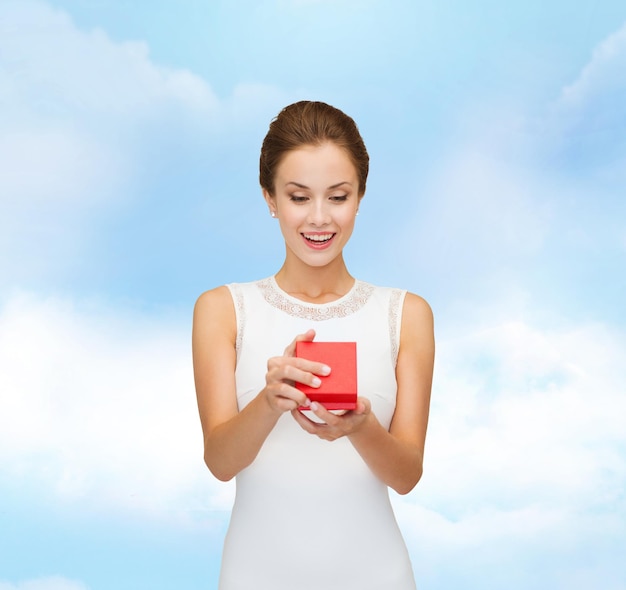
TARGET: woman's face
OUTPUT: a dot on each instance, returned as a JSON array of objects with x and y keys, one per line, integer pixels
[{"x": 316, "y": 197}]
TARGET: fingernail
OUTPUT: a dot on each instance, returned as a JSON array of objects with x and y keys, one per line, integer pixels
[
  {"x": 314, "y": 406},
  {"x": 325, "y": 370},
  {"x": 316, "y": 381},
  {"x": 307, "y": 402}
]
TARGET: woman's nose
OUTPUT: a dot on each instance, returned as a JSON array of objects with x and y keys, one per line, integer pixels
[{"x": 318, "y": 213}]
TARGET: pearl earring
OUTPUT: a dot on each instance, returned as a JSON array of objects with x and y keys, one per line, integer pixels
[{"x": 272, "y": 213}]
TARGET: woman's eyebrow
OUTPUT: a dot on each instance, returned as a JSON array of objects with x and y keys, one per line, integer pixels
[{"x": 330, "y": 187}]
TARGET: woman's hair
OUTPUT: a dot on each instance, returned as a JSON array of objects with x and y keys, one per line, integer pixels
[{"x": 311, "y": 123}]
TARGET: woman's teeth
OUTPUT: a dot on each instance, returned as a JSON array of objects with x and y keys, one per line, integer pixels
[{"x": 319, "y": 237}]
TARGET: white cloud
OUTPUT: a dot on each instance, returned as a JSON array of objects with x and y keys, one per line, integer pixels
[
  {"x": 76, "y": 102},
  {"x": 518, "y": 549},
  {"x": 538, "y": 413},
  {"x": 488, "y": 206},
  {"x": 525, "y": 444},
  {"x": 521, "y": 201},
  {"x": 52, "y": 164},
  {"x": 53, "y": 65},
  {"x": 588, "y": 120},
  {"x": 82, "y": 122},
  {"x": 526, "y": 449},
  {"x": 73, "y": 99},
  {"x": 526, "y": 439},
  {"x": 70, "y": 144},
  {"x": 604, "y": 74},
  {"x": 480, "y": 216},
  {"x": 525, "y": 454},
  {"x": 49, "y": 583},
  {"x": 101, "y": 407}
]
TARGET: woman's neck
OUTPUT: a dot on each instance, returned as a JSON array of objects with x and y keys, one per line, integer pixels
[{"x": 315, "y": 284}]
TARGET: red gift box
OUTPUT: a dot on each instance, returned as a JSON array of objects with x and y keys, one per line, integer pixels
[{"x": 338, "y": 390}]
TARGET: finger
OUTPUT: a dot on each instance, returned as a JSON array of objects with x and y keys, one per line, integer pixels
[
  {"x": 285, "y": 391},
  {"x": 320, "y": 430},
  {"x": 314, "y": 367},
  {"x": 286, "y": 405},
  {"x": 283, "y": 396},
  {"x": 363, "y": 406},
  {"x": 294, "y": 374},
  {"x": 308, "y": 336},
  {"x": 304, "y": 422},
  {"x": 296, "y": 369},
  {"x": 323, "y": 414},
  {"x": 306, "y": 364}
]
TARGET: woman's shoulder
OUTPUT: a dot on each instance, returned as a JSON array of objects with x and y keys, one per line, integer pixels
[
  {"x": 417, "y": 304},
  {"x": 214, "y": 313},
  {"x": 216, "y": 297},
  {"x": 412, "y": 308},
  {"x": 417, "y": 315},
  {"x": 215, "y": 307},
  {"x": 225, "y": 298},
  {"x": 223, "y": 294},
  {"x": 411, "y": 300}
]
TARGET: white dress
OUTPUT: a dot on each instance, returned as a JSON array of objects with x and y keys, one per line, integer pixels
[{"x": 309, "y": 514}]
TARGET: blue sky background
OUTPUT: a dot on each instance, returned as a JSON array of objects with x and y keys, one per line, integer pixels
[{"x": 129, "y": 140}]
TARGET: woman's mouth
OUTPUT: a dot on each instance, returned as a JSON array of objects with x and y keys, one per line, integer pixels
[{"x": 318, "y": 240}]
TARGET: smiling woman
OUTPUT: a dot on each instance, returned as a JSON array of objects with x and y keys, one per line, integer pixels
[
  {"x": 315, "y": 199},
  {"x": 298, "y": 464}
]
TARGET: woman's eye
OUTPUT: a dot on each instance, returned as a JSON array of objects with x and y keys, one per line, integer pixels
[
  {"x": 339, "y": 198},
  {"x": 298, "y": 198}
]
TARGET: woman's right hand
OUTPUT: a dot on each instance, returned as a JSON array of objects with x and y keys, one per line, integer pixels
[{"x": 284, "y": 371}]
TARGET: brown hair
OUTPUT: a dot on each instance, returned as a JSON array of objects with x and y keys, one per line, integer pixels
[{"x": 311, "y": 123}]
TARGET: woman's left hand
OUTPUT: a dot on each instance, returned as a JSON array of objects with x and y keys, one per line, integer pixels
[{"x": 334, "y": 426}]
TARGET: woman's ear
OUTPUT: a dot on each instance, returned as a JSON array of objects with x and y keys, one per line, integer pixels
[
  {"x": 359, "y": 203},
  {"x": 271, "y": 202}
]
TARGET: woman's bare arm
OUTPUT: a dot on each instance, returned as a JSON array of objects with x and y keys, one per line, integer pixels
[
  {"x": 396, "y": 457},
  {"x": 232, "y": 439}
]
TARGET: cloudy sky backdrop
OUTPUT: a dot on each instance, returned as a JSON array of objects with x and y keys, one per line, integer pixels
[{"x": 129, "y": 140}]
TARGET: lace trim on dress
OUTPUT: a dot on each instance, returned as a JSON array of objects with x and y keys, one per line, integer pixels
[
  {"x": 240, "y": 310},
  {"x": 397, "y": 296},
  {"x": 350, "y": 303}
]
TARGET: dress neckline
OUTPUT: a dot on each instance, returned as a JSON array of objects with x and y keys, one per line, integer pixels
[
  {"x": 346, "y": 305},
  {"x": 295, "y": 299}
]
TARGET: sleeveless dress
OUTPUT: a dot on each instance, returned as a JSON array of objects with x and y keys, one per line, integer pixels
[{"x": 309, "y": 514}]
